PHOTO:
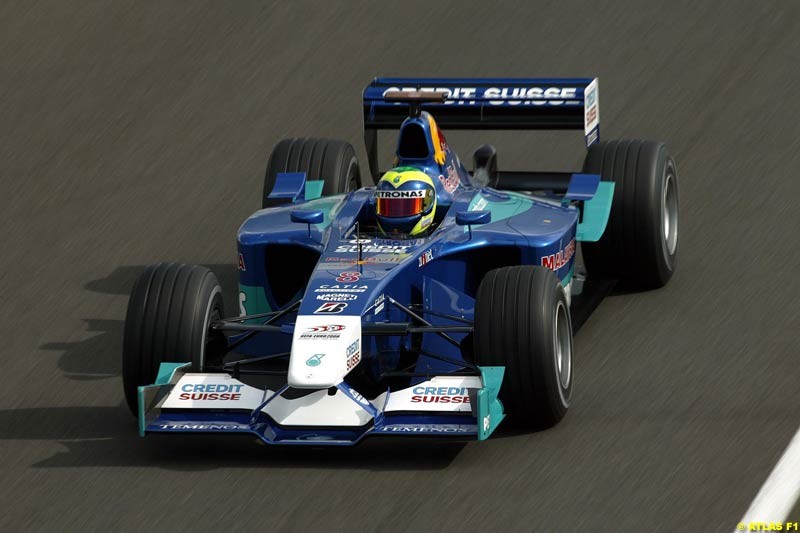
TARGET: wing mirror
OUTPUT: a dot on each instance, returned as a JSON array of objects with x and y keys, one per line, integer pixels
[
  {"x": 473, "y": 218},
  {"x": 305, "y": 216}
]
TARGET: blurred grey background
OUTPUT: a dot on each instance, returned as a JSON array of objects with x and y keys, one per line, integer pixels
[{"x": 133, "y": 132}]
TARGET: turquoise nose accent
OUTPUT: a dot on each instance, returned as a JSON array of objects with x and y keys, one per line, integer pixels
[{"x": 315, "y": 360}]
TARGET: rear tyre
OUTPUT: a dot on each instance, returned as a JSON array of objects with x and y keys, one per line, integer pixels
[
  {"x": 332, "y": 161},
  {"x": 169, "y": 312},
  {"x": 640, "y": 243},
  {"x": 522, "y": 322}
]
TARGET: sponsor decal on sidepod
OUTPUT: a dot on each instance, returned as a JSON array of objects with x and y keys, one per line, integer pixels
[{"x": 561, "y": 258}]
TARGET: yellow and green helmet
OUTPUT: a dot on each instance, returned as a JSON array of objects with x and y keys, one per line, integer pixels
[{"x": 405, "y": 201}]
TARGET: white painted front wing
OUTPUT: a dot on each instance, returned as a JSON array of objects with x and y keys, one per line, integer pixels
[{"x": 443, "y": 394}]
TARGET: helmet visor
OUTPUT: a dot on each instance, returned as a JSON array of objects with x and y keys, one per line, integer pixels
[
  {"x": 396, "y": 204},
  {"x": 400, "y": 207}
]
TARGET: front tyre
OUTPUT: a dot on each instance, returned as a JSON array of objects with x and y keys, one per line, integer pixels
[
  {"x": 169, "y": 313},
  {"x": 522, "y": 322}
]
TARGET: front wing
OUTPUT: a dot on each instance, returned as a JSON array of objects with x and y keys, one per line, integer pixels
[{"x": 447, "y": 405}]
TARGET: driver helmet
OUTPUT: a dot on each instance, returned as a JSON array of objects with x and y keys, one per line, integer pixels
[{"x": 405, "y": 200}]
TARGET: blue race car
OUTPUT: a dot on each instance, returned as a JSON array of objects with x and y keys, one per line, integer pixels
[{"x": 438, "y": 302}]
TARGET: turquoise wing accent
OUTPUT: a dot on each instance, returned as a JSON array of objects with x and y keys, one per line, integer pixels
[
  {"x": 166, "y": 372},
  {"x": 595, "y": 213},
  {"x": 314, "y": 189},
  {"x": 490, "y": 409}
]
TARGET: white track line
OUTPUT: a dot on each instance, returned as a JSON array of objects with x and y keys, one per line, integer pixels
[{"x": 780, "y": 491}]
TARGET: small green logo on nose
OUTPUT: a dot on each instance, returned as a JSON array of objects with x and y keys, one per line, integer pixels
[{"x": 315, "y": 360}]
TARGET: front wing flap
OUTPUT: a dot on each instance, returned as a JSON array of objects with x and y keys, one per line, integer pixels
[{"x": 447, "y": 405}]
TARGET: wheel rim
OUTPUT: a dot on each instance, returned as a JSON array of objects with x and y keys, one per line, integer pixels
[
  {"x": 669, "y": 210},
  {"x": 563, "y": 341}
]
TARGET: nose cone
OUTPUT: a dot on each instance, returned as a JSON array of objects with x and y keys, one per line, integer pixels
[{"x": 324, "y": 350}]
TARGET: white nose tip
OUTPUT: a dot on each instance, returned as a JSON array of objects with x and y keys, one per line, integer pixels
[{"x": 319, "y": 357}]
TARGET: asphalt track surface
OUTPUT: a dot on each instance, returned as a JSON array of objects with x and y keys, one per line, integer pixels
[{"x": 135, "y": 132}]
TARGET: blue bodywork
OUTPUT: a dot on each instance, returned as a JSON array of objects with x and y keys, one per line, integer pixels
[{"x": 322, "y": 251}]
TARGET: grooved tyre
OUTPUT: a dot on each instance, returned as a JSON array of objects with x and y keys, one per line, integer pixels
[
  {"x": 522, "y": 322},
  {"x": 169, "y": 311},
  {"x": 332, "y": 161},
  {"x": 640, "y": 244}
]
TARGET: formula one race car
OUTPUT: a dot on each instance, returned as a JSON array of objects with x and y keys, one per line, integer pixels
[{"x": 436, "y": 303}]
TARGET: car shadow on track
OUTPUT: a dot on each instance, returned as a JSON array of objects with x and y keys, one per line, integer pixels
[
  {"x": 99, "y": 356},
  {"x": 120, "y": 282},
  {"x": 92, "y": 358}
]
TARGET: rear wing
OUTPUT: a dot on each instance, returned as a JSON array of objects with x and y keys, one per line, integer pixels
[{"x": 488, "y": 103}]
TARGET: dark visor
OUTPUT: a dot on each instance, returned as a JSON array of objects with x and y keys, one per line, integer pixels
[{"x": 400, "y": 207}]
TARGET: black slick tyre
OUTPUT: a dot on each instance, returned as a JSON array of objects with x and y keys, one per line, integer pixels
[
  {"x": 332, "y": 161},
  {"x": 169, "y": 311},
  {"x": 522, "y": 322},
  {"x": 640, "y": 244}
]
